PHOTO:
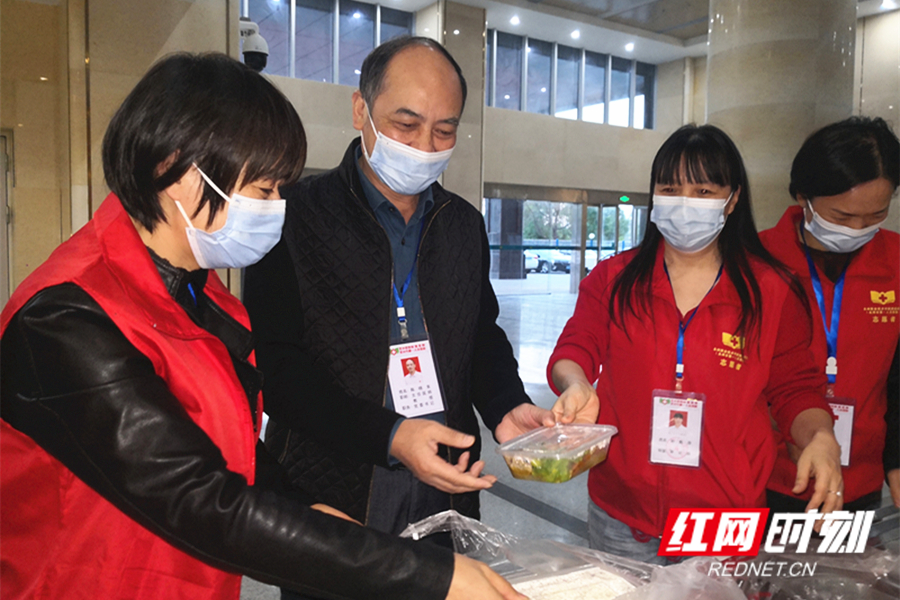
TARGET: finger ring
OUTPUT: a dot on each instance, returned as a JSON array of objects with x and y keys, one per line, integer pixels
[{"x": 835, "y": 493}]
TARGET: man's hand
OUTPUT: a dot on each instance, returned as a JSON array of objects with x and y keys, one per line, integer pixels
[
  {"x": 523, "y": 419},
  {"x": 416, "y": 446},
  {"x": 473, "y": 580},
  {"x": 893, "y": 478}
]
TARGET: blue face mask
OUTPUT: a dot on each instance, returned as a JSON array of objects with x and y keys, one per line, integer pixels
[
  {"x": 252, "y": 228},
  {"x": 402, "y": 168},
  {"x": 838, "y": 238},
  {"x": 689, "y": 224}
]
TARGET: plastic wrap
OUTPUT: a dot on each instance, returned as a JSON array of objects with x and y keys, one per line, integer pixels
[
  {"x": 524, "y": 561},
  {"x": 872, "y": 575}
]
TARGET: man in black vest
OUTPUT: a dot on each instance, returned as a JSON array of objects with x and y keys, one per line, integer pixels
[{"x": 379, "y": 265}]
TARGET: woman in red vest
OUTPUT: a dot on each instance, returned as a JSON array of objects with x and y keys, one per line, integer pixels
[
  {"x": 698, "y": 321},
  {"x": 130, "y": 402},
  {"x": 843, "y": 179}
]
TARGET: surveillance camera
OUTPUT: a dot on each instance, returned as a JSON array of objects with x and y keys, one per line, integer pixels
[{"x": 256, "y": 50}]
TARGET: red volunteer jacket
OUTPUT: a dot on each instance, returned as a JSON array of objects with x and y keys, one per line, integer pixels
[
  {"x": 62, "y": 537},
  {"x": 867, "y": 339},
  {"x": 737, "y": 444}
]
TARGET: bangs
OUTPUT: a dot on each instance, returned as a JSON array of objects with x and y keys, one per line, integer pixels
[
  {"x": 269, "y": 141},
  {"x": 694, "y": 156},
  {"x": 274, "y": 143}
]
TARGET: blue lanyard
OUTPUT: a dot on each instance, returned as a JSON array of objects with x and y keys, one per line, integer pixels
[
  {"x": 682, "y": 327},
  {"x": 398, "y": 296},
  {"x": 193, "y": 295},
  {"x": 831, "y": 333}
]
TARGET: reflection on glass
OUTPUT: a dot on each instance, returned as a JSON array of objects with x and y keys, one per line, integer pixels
[
  {"x": 357, "y": 30},
  {"x": 568, "y": 68},
  {"x": 594, "y": 86},
  {"x": 489, "y": 56},
  {"x": 273, "y": 19},
  {"x": 314, "y": 46},
  {"x": 645, "y": 77},
  {"x": 592, "y": 246},
  {"x": 619, "y": 92},
  {"x": 626, "y": 234},
  {"x": 639, "y": 224},
  {"x": 509, "y": 70},
  {"x": 540, "y": 55},
  {"x": 608, "y": 227},
  {"x": 395, "y": 23}
]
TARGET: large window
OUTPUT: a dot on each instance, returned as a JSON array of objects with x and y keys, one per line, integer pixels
[
  {"x": 358, "y": 27},
  {"x": 568, "y": 76},
  {"x": 540, "y": 58},
  {"x": 508, "y": 89},
  {"x": 570, "y": 83},
  {"x": 594, "y": 87}
]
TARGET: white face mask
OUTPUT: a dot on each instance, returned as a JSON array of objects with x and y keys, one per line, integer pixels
[
  {"x": 839, "y": 238},
  {"x": 402, "y": 168},
  {"x": 689, "y": 224},
  {"x": 252, "y": 228}
]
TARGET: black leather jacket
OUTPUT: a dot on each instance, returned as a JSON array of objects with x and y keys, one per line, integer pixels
[{"x": 73, "y": 383}]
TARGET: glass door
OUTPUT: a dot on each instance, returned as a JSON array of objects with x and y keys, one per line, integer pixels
[{"x": 535, "y": 245}]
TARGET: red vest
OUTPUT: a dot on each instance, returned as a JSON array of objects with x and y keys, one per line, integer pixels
[
  {"x": 737, "y": 445},
  {"x": 60, "y": 539},
  {"x": 867, "y": 339}
]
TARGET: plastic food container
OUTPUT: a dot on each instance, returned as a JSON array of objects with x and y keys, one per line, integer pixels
[{"x": 557, "y": 454}]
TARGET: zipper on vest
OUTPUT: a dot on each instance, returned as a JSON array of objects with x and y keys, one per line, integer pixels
[{"x": 425, "y": 321}]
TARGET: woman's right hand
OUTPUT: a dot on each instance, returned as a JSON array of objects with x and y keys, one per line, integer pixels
[
  {"x": 474, "y": 580},
  {"x": 578, "y": 402}
]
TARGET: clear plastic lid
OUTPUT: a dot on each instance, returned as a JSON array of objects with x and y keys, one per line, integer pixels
[{"x": 560, "y": 441}]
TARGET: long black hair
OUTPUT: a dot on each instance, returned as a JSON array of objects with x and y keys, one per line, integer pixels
[{"x": 703, "y": 154}]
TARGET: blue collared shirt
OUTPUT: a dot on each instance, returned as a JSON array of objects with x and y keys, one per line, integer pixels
[{"x": 404, "y": 238}]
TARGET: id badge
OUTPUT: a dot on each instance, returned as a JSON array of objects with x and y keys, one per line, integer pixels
[
  {"x": 413, "y": 378},
  {"x": 676, "y": 428},
  {"x": 844, "y": 409}
]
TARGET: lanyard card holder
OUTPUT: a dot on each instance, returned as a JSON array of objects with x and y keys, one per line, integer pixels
[
  {"x": 844, "y": 410},
  {"x": 675, "y": 430},
  {"x": 414, "y": 379}
]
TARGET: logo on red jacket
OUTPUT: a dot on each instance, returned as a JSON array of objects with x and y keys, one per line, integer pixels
[{"x": 888, "y": 297}]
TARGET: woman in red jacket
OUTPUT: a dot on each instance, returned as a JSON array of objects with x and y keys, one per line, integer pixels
[
  {"x": 698, "y": 321},
  {"x": 843, "y": 179},
  {"x": 129, "y": 397}
]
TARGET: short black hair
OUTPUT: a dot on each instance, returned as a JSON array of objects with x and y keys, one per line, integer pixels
[
  {"x": 371, "y": 78},
  {"x": 207, "y": 109},
  {"x": 842, "y": 155}
]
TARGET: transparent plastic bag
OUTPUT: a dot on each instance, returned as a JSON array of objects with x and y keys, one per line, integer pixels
[
  {"x": 525, "y": 562},
  {"x": 872, "y": 575},
  {"x": 688, "y": 580}
]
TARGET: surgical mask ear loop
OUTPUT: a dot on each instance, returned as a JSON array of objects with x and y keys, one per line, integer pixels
[{"x": 363, "y": 137}]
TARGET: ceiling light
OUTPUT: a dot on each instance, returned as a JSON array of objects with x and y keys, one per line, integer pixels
[
  {"x": 43, "y": 79},
  {"x": 357, "y": 71},
  {"x": 506, "y": 97},
  {"x": 576, "y": 34},
  {"x": 357, "y": 15},
  {"x": 543, "y": 90},
  {"x": 629, "y": 47},
  {"x": 889, "y": 4},
  {"x": 456, "y": 32},
  {"x": 514, "y": 20}
]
